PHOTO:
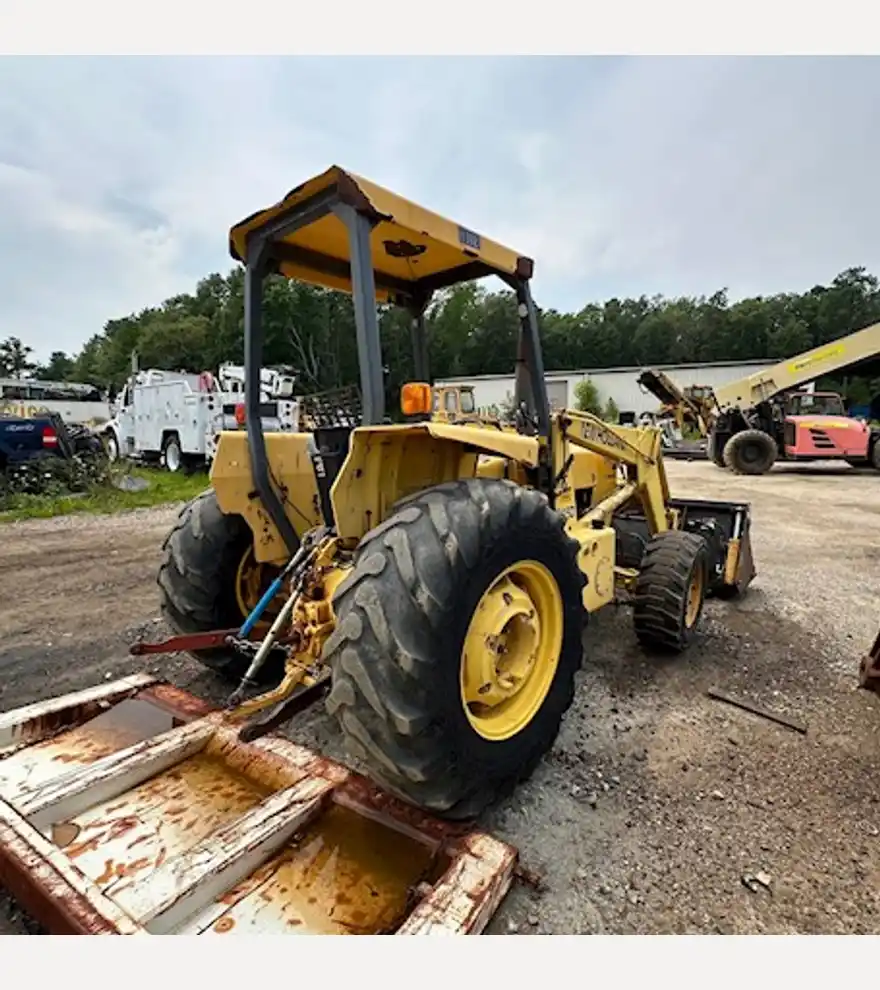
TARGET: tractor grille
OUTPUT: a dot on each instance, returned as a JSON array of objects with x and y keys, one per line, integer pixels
[{"x": 821, "y": 440}]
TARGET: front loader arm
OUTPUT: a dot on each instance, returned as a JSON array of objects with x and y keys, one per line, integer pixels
[{"x": 636, "y": 450}]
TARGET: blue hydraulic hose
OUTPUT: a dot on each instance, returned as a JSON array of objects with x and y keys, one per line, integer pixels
[{"x": 254, "y": 617}]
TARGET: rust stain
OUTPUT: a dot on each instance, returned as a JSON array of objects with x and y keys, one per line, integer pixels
[
  {"x": 67, "y": 758},
  {"x": 90, "y": 845},
  {"x": 63, "y": 833},
  {"x": 178, "y": 703},
  {"x": 123, "y": 825},
  {"x": 108, "y": 874},
  {"x": 127, "y": 869},
  {"x": 225, "y": 924}
]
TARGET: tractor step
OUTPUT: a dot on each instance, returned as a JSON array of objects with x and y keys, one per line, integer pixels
[{"x": 134, "y": 808}]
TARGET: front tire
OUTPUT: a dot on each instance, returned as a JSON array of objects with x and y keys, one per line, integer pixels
[
  {"x": 198, "y": 577},
  {"x": 111, "y": 445},
  {"x": 670, "y": 590},
  {"x": 403, "y": 654},
  {"x": 750, "y": 452}
]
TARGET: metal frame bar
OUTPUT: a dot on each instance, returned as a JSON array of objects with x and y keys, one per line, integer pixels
[
  {"x": 254, "y": 274},
  {"x": 366, "y": 319},
  {"x": 419, "y": 344},
  {"x": 531, "y": 386}
]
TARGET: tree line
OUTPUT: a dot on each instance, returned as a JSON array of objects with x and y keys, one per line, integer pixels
[{"x": 471, "y": 331}]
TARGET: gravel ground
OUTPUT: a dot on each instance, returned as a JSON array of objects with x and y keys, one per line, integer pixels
[{"x": 657, "y": 803}]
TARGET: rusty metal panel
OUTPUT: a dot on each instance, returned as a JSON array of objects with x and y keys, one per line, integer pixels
[{"x": 134, "y": 809}]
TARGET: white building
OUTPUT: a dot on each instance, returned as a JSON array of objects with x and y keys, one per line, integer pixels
[{"x": 619, "y": 384}]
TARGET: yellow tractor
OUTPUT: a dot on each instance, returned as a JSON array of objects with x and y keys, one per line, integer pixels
[{"x": 437, "y": 576}]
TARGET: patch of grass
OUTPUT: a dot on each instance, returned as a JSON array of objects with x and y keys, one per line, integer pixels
[{"x": 162, "y": 489}]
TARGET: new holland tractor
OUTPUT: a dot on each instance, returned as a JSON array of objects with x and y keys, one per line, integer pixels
[{"x": 438, "y": 575}]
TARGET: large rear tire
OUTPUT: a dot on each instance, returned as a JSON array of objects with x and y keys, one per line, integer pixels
[
  {"x": 750, "y": 452},
  {"x": 670, "y": 590},
  {"x": 411, "y": 631},
  {"x": 198, "y": 577}
]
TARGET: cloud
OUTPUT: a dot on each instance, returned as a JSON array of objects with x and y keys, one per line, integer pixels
[{"x": 119, "y": 177}]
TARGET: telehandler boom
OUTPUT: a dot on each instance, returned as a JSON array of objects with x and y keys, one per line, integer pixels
[{"x": 752, "y": 422}]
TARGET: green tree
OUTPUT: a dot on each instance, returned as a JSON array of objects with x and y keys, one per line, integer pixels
[
  {"x": 15, "y": 357},
  {"x": 611, "y": 414},
  {"x": 586, "y": 397},
  {"x": 471, "y": 331},
  {"x": 58, "y": 368}
]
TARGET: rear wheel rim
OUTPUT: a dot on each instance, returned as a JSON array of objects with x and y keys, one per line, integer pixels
[
  {"x": 252, "y": 580},
  {"x": 752, "y": 453},
  {"x": 694, "y": 597},
  {"x": 172, "y": 456},
  {"x": 511, "y": 651}
]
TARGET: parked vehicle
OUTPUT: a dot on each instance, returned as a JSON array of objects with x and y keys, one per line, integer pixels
[
  {"x": 25, "y": 439},
  {"x": 174, "y": 418},
  {"x": 75, "y": 402}
]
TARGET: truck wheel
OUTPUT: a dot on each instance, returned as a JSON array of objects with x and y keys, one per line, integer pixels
[
  {"x": 172, "y": 455},
  {"x": 750, "y": 452},
  {"x": 203, "y": 581},
  {"x": 670, "y": 590},
  {"x": 457, "y": 641},
  {"x": 111, "y": 445},
  {"x": 715, "y": 456},
  {"x": 875, "y": 455}
]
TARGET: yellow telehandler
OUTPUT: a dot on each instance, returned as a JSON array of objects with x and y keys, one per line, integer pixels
[{"x": 438, "y": 574}]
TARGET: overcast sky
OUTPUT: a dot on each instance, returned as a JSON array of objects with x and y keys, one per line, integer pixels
[{"x": 119, "y": 178}]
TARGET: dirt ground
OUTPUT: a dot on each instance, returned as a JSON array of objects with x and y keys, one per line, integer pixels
[{"x": 657, "y": 803}]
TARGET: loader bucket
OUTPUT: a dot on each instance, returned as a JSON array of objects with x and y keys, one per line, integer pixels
[
  {"x": 133, "y": 808},
  {"x": 726, "y": 527}
]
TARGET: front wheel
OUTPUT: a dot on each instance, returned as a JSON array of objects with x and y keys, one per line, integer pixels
[
  {"x": 457, "y": 641},
  {"x": 750, "y": 452},
  {"x": 670, "y": 590},
  {"x": 111, "y": 445}
]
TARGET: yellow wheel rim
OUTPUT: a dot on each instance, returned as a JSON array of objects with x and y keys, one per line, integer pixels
[
  {"x": 251, "y": 582},
  {"x": 694, "y": 598},
  {"x": 511, "y": 650}
]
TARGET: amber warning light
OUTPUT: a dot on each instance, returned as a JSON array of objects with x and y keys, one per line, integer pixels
[{"x": 415, "y": 399}]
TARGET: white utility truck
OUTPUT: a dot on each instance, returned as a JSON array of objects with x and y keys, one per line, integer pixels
[{"x": 174, "y": 417}]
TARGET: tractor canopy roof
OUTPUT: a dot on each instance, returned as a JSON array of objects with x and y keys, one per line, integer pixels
[{"x": 414, "y": 251}]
